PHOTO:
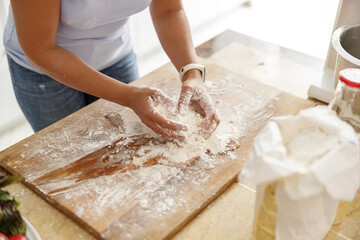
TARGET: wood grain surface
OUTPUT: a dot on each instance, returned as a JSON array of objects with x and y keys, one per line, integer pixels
[{"x": 83, "y": 164}]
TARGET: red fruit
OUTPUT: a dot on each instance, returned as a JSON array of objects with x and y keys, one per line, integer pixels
[
  {"x": 3, "y": 237},
  {"x": 18, "y": 237}
]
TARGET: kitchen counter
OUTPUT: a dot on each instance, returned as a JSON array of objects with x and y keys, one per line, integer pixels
[{"x": 230, "y": 215}]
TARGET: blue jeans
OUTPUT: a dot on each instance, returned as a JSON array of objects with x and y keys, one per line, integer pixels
[{"x": 44, "y": 100}]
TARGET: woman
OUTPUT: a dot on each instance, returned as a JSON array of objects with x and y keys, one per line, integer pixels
[{"x": 62, "y": 53}]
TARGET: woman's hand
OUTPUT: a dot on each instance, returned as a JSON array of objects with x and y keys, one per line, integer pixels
[
  {"x": 174, "y": 33},
  {"x": 194, "y": 93},
  {"x": 143, "y": 102}
]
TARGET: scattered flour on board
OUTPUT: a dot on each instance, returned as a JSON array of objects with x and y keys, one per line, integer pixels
[{"x": 154, "y": 188}]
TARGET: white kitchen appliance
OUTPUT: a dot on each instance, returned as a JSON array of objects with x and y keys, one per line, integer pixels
[{"x": 348, "y": 13}]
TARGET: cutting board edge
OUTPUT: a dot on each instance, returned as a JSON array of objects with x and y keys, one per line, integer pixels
[
  {"x": 196, "y": 212},
  {"x": 63, "y": 210}
]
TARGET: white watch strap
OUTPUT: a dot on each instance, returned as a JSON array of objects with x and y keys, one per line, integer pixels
[{"x": 200, "y": 67}]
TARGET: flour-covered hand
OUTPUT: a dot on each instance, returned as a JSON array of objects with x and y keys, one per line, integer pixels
[
  {"x": 193, "y": 93},
  {"x": 143, "y": 102}
]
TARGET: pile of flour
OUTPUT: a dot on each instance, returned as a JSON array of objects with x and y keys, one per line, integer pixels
[{"x": 195, "y": 144}]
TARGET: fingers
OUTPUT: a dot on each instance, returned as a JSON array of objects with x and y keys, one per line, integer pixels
[
  {"x": 211, "y": 120},
  {"x": 159, "y": 123},
  {"x": 165, "y": 132},
  {"x": 145, "y": 107},
  {"x": 205, "y": 103},
  {"x": 167, "y": 123},
  {"x": 160, "y": 97},
  {"x": 184, "y": 100},
  {"x": 160, "y": 119},
  {"x": 172, "y": 130},
  {"x": 209, "y": 125}
]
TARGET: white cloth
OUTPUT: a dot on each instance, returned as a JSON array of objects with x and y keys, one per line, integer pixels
[{"x": 316, "y": 157}]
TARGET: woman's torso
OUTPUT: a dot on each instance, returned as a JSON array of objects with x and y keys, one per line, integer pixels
[{"x": 97, "y": 31}]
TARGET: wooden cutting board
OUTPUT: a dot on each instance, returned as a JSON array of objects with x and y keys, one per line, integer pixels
[{"x": 83, "y": 164}]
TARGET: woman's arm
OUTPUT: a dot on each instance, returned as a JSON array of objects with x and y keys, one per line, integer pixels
[
  {"x": 36, "y": 23},
  {"x": 173, "y": 29}
]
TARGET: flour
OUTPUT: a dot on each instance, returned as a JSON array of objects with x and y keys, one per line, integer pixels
[
  {"x": 195, "y": 144},
  {"x": 117, "y": 178}
]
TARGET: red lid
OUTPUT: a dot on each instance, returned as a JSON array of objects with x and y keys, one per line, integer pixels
[{"x": 350, "y": 76}]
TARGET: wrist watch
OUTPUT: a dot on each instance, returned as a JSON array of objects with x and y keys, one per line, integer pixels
[{"x": 197, "y": 66}]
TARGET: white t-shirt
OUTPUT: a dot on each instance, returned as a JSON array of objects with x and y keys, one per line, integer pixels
[{"x": 97, "y": 31}]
